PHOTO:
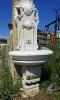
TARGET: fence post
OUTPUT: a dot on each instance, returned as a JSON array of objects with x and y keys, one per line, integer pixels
[
  {"x": 52, "y": 40},
  {"x": 59, "y": 39}
]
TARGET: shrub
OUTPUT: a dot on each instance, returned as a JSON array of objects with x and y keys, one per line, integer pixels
[
  {"x": 8, "y": 89},
  {"x": 51, "y": 69}
]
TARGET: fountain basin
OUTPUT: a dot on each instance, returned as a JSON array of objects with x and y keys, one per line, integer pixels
[{"x": 30, "y": 57}]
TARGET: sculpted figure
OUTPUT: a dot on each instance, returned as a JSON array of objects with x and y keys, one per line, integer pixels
[{"x": 26, "y": 17}]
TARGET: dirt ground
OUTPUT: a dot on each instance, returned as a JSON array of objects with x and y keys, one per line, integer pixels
[{"x": 40, "y": 96}]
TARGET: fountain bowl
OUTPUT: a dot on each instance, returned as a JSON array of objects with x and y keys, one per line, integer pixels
[{"x": 30, "y": 57}]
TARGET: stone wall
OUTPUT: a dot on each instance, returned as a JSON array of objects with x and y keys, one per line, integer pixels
[{"x": 15, "y": 36}]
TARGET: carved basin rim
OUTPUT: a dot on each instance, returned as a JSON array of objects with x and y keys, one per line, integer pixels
[{"x": 31, "y": 53}]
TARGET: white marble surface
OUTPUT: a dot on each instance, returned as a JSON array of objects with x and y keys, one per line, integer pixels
[
  {"x": 27, "y": 20},
  {"x": 31, "y": 53},
  {"x": 30, "y": 57}
]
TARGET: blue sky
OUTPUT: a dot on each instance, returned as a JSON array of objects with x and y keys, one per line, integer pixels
[{"x": 45, "y": 9}]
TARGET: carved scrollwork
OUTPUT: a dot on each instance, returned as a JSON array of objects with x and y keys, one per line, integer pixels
[
  {"x": 19, "y": 17},
  {"x": 27, "y": 27},
  {"x": 22, "y": 8},
  {"x": 28, "y": 12}
]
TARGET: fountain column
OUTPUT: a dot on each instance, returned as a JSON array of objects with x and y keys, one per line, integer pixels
[
  {"x": 26, "y": 17},
  {"x": 27, "y": 54}
]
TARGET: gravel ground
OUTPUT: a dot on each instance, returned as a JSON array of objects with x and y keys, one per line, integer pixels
[{"x": 40, "y": 96}]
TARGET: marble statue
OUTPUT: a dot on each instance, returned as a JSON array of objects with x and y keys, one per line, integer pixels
[{"x": 26, "y": 16}]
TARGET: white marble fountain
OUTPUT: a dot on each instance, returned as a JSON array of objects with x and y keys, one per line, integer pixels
[{"x": 27, "y": 54}]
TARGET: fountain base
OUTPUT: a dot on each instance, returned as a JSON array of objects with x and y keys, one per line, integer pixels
[
  {"x": 31, "y": 79},
  {"x": 30, "y": 64},
  {"x": 32, "y": 91}
]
